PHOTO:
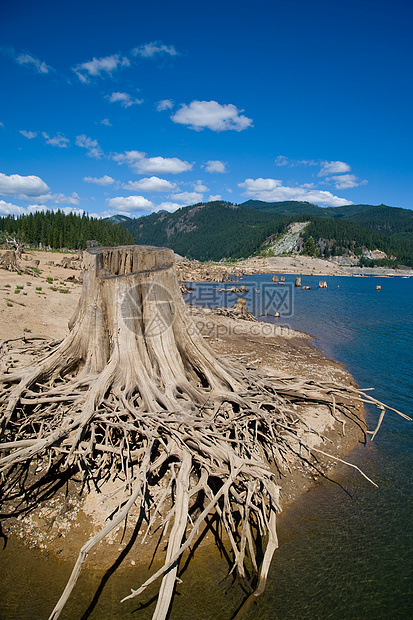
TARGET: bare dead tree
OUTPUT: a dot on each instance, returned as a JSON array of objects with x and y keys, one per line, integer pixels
[
  {"x": 14, "y": 241},
  {"x": 134, "y": 392}
]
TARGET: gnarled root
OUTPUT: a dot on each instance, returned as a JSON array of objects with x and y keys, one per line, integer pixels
[{"x": 219, "y": 457}]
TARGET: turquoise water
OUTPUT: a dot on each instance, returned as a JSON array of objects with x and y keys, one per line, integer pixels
[
  {"x": 344, "y": 554},
  {"x": 349, "y": 555}
]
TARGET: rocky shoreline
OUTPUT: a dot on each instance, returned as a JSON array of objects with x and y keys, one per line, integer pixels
[
  {"x": 60, "y": 525},
  {"x": 193, "y": 271}
]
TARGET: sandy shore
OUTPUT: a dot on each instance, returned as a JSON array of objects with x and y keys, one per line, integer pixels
[
  {"x": 42, "y": 305},
  {"x": 192, "y": 271},
  {"x": 38, "y": 304}
]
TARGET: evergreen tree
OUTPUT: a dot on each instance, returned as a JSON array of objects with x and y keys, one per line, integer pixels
[{"x": 310, "y": 247}]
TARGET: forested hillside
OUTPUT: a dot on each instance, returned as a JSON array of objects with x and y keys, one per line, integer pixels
[
  {"x": 57, "y": 230},
  {"x": 218, "y": 230},
  {"x": 391, "y": 220},
  {"x": 340, "y": 237},
  {"x": 209, "y": 231}
]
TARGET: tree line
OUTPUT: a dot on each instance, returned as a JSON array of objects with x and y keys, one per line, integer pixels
[
  {"x": 222, "y": 230},
  {"x": 57, "y": 230},
  {"x": 335, "y": 237}
]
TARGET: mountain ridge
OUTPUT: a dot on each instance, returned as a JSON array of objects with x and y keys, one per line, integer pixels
[{"x": 221, "y": 230}]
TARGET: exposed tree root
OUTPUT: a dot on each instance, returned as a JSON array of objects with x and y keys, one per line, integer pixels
[
  {"x": 134, "y": 393},
  {"x": 9, "y": 261}
]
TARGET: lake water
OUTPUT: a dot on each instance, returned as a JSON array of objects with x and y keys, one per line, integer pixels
[
  {"x": 348, "y": 556},
  {"x": 344, "y": 554}
]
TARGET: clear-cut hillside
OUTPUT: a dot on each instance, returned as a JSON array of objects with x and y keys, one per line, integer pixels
[{"x": 288, "y": 241}]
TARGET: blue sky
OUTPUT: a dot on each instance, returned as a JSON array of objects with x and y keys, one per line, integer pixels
[{"x": 131, "y": 107}]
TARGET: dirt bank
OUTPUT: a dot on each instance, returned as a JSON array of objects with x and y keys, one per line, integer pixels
[{"x": 192, "y": 271}]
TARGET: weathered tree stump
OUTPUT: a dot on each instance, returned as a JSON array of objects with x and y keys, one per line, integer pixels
[
  {"x": 9, "y": 261},
  {"x": 238, "y": 311},
  {"x": 135, "y": 393}
]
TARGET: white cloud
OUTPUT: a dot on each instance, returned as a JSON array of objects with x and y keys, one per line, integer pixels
[
  {"x": 305, "y": 162},
  {"x": 165, "y": 104},
  {"x": 214, "y": 165},
  {"x": 200, "y": 114},
  {"x": 124, "y": 99},
  {"x": 141, "y": 164},
  {"x": 346, "y": 181},
  {"x": 149, "y": 50},
  {"x": 28, "y": 134},
  {"x": 333, "y": 167},
  {"x": 260, "y": 185},
  {"x": 32, "y": 188},
  {"x": 272, "y": 190},
  {"x": 38, "y": 65},
  {"x": 22, "y": 187},
  {"x": 164, "y": 165},
  {"x": 104, "y": 181},
  {"x": 216, "y": 197},
  {"x": 58, "y": 140},
  {"x": 200, "y": 187},
  {"x": 100, "y": 66},
  {"x": 168, "y": 206},
  {"x": 92, "y": 146},
  {"x": 106, "y": 122},
  {"x": 188, "y": 198},
  {"x": 130, "y": 204},
  {"x": 128, "y": 157},
  {"x": 74, "y": 199},
  {"x": 1, "y": 124},
  {"x": 7, "y": 208},
  {"x": 150, "y": 184},
  {"x": 281, "y": 160}
]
